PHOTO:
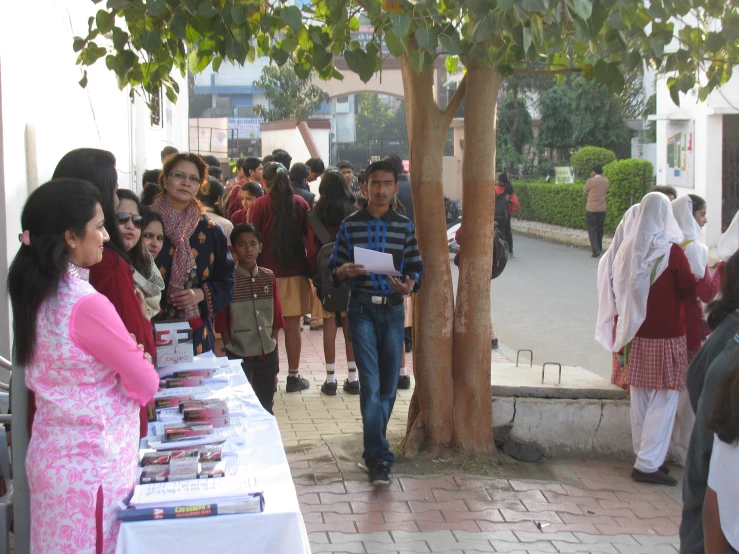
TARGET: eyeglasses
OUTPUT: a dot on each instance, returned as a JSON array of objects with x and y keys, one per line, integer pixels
[
  {"x": 125, "y": 217},
  {"x": 193, "y": 179}
]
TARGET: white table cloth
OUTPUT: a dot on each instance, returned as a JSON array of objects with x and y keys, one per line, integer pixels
[{"x": 278, "y": 530}]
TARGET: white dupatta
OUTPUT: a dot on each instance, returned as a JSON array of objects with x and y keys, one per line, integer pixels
[
  {"x": 696, "y": 252},
  {"x": 642, "y": 258},
  {"x": 606, "y": 300},
  {"x": 728, "y": 244}
]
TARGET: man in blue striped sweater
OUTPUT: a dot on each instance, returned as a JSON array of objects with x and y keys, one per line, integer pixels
[{"x": 376, "y": 306}]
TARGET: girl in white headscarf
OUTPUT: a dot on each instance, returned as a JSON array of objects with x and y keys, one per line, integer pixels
[
  {"x": 606, "y": 324},
  {"x": 651, "y": 276},
  {"x": 690, "y": 213}
]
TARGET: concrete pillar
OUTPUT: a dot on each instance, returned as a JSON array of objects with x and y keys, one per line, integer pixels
[{"x": 708, "y": 171}]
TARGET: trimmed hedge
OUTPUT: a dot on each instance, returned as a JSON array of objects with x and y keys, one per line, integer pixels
[
  {"x": 629, "y": 180},
  {"x": 588, "y": 156},
  {"x": 564, "y": 204}
]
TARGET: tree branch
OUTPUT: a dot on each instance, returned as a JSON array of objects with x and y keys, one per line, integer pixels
[
  {"x": 454, "y": 103},
  {"x": 566, "y": 71}
]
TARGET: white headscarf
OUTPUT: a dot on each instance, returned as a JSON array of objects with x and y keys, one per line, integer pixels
[
  {"x": 606, "y": 300},
  {"x": 653, "y": 233},
  {"x": 729, "y": 242},
  {"x": 696, "y": 252}
]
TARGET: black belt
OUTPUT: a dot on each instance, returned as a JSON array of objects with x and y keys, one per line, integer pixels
[{"x": 392, "y": 300}]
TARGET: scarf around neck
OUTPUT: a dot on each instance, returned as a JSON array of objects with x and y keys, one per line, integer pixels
[{"x": 179, "y": 228}]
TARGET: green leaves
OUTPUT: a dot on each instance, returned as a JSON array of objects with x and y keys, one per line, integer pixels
[
  {"x": 451, "y": 64},
  {"x": 427, "y": 38},
  {"x": 583, "y": 8},
  {"x": 364, "y": 64},
  {"x": 292, "y": 17},
  {"x": 401, "y": 23}
]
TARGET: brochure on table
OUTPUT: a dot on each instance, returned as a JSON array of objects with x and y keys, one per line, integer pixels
[{"x": 184, "y": 483}]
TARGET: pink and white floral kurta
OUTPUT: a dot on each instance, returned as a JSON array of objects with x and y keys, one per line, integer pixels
[{"x": 89, "y": 378}]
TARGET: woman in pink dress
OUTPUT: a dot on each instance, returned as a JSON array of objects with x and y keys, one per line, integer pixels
[{"x": 88, "y": 374}]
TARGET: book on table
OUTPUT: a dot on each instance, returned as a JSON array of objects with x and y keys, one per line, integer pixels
[
  {"x": 229, "y": 489},
  {"x": 254, "y": 503}
]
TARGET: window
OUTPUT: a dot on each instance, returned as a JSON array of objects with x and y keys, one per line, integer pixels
[{"x": 155, "y": 106}]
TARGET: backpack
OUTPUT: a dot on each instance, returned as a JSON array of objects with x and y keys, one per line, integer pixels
[
  {"x": 334, "y": 299},
  {"x": 501, "y": 206},
  {"x": 500, "y": 254}
]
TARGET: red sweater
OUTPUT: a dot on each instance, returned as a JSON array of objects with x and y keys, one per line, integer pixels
[
  {"x": 239, "y": 217},
  {"x": 665, "y": 318},
  {"x": 262, "y": 217},
  {"x": 706, "y": 290}
]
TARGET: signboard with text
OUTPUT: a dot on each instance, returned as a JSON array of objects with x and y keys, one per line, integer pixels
[
  {"x": 680, "y": 153},
  {"x": 564, "y": 175},
  {"x": 245, "y": 127}
]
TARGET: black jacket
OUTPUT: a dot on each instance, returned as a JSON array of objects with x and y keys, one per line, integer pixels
[
  {"x": 404, "y": 195},
  {"x": 304, "y": 192}
]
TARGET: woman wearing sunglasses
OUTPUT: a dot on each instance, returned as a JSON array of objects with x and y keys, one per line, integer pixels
[
  {"x": 197, "y": 267},
  {"x": 146, "y": 276},
  {"x": 113, "y": 276}
]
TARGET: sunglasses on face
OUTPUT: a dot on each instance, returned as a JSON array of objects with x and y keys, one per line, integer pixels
[{"x": 124, "y": 217}]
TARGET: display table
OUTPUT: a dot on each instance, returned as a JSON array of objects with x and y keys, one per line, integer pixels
[{"x": 277, "y": 530}]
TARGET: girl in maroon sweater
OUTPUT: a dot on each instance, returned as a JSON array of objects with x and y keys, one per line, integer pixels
[
  {"x": 651, "y": 277},
  {"x": 281, "y": 218}
]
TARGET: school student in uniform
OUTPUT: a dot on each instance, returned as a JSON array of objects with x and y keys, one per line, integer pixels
[
  {"x": 651, "y": 278},
  {"x": 250, "y": 325},
  {"x": 376, "y": 313}
]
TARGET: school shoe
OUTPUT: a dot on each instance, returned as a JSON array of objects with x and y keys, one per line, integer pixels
[
  {"x": 494, "y": 344},
  {"x": 664, "y": 469},
  {"x": 595, "y": 254},
  {"x": 654, "y": 478},
  {"x": 380, "y": 475},
  {"x": 351, "y": 387},
  {"x": 329, "y": 388},
  {"x": 404, "y": 382},
  {"x": 296, "y": 384}
]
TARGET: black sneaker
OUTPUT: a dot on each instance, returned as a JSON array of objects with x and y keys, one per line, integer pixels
[
  {"x": 655, "y": 478},
  {"x": 329, "y": 388},
  {"x": 351, "y": 387},
  {"x": 306, "y": 321},
  {"x": 664, "y": 469},
  {"x": 296, "y": 384},
  {"x": 404, "y": 382},
  {"x": 494, "y": 344},
  {"x": 380, "y": 475}
]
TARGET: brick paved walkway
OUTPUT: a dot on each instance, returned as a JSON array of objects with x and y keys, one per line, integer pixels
[{"x": 603, "y": 511}]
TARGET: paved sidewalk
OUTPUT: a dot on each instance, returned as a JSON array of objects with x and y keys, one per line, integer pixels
[{"x": 594, "y": 507}]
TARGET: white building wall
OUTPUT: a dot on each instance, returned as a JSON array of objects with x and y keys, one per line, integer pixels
[
  {"x": 41, "y": 99},
  {"x": 707, "y": 119}
]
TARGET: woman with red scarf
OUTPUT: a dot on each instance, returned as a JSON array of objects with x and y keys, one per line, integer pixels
[
  {"x": 197, "y": 267},
  {"x": 505, "y": 204}
]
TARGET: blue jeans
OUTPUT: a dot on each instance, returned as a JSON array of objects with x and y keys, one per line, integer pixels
[{"x": 377, "y": 338}]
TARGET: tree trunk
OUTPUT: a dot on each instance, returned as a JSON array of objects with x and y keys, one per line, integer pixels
[
  {"x": 430, "y": 413},
  {"x": 473, "y": 406}
]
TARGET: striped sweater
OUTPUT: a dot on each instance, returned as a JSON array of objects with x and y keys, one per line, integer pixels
[{"x": 392, "y": 233}]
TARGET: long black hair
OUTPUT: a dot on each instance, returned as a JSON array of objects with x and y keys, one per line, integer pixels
[
  {"x": 336, "y": 202},
  {"x": 97, "y": 167},
  {"x": 724, "y": 419},
  {"x": 283, "y": 230},
  {"x": 506, "y": 182},
  {"x": 56, "y": 207},
  {"x": 728, "y": 301},
  {"x": 139, "y": 260}
]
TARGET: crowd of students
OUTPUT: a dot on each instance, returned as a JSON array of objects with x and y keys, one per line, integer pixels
[
  {"x": 97, "y": 265},
  {"x": 680, "y": 366}
]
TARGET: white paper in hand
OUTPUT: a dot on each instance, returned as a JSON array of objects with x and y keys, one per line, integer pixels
[{"x": 380, "y": 263}]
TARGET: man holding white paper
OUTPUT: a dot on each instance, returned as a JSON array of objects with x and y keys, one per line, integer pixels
[{"x": 376, "y": 253}]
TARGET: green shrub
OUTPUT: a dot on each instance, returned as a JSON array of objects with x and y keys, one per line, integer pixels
[
  {"x": 562, "y": 204},
  {"x": 585, "y": 158},
  {"x": 629, "y": 181}
]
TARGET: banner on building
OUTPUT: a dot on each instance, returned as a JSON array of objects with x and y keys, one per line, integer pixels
[
  {"x": 680, "y": 153},
  {"x": 245, "y": 127}
]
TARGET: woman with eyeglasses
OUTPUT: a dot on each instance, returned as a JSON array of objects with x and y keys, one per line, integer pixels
[
  {"x": 113, "y": 276},
  {"x": 197, "y": 267},
  {"x": 146, "y": 276}
]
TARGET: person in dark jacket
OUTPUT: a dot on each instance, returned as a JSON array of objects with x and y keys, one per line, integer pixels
[
  {"x": 404, "y": 186},
  {"x": 299, "y": 181},
  {"x": 703, "y": 380}
]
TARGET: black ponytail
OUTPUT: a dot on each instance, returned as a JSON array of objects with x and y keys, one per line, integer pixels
[
  {"x": 278, "y": 182},
  {"x": 54, "y": 208}
]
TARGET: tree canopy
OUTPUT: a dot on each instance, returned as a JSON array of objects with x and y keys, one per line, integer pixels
[
  {"x": 555, "y": 109},
  {"x": 288, "y": 96},
  {"x": 597, "y": 116}
]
